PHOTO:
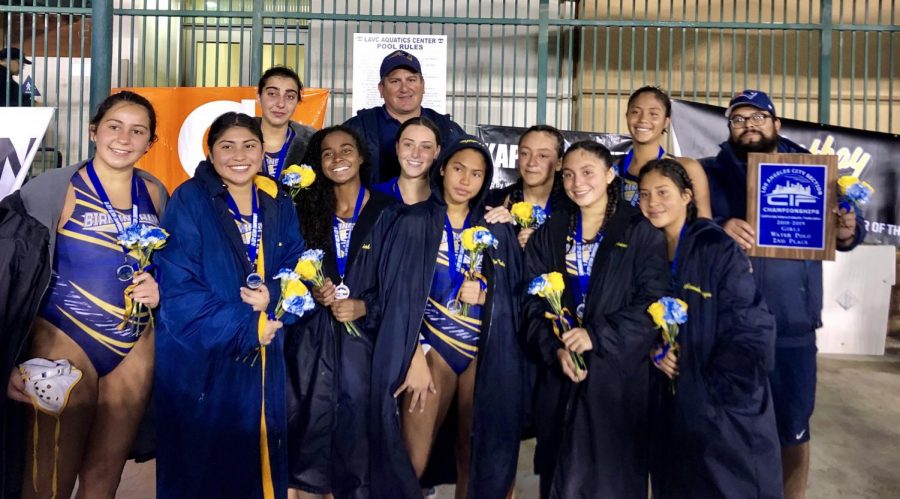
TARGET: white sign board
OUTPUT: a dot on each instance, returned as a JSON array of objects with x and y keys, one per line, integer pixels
[
  {"x": 21, "y": 132},
  {"x": 370, "y": 48}
]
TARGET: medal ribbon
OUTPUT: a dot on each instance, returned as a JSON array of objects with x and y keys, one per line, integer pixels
[
  {"x": 342, "y": 246},
  {"x": 583, "y": 271},
  {"x": 454, "y": 262},
  {"x": 253, "y": 245},
  {"x": 283, "y": 153},
  {"x": 104, "y": 200}
]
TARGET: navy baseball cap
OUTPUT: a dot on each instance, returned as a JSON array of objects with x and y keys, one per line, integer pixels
[
  {"x": 754, "y": 98},
  {"x": 400, "y": 59},
  {"x": 13, "y": 54}
]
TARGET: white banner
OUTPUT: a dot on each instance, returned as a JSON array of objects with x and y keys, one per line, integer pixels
[
  {"x": 21, "y": 132},
  {"x": 370, "y": 48}
]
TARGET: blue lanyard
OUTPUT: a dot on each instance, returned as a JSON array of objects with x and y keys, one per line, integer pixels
[
  {"x": 104, "y": 199},
  {"x": 281, "y": 154},
  {"x": 342, "y": 246},
  {"x": 583, "y": 271},
  {"x": 454, "y": 263},
  {"x": 253, "y": 245}
]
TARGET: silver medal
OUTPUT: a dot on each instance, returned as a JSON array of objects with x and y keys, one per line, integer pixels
[
  {"x": 454, "y": 306},
  {"x": 341, "y": 291},
  {"x": 125, "y": 272},
  {"x": 580, "y": 311},
  {"x": 254, "y": 281}
]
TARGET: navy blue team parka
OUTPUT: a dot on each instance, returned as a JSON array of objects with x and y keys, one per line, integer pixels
[
  {"x": 208, "y": 391},
  {"x": 716, "y": 436}
]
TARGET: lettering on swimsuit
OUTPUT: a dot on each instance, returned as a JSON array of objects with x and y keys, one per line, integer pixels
[
  {"x": 102, "y": 222},
  {"x": 696, "y": 289}
]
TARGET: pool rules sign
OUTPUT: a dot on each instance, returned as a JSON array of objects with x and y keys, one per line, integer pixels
[{"x": 791, "y": 202}]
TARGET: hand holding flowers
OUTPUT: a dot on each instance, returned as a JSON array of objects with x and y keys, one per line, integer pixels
[
  {"x": 474, "y": 241},
  {"x": 551, "y": 286},
  {"x": 667, "y": 314},
  {"x": 853, "y": 193},
  {"x": 144, "y": 239}
]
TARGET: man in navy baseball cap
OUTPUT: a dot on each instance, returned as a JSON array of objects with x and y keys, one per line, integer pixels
[
  {"x": 11, "y": 60},
  {"x": 399, "y": 59},
  {"x": 792, "y": 290},
  {"x": 402, "y": 87},
  {"x": 752, "y": 98}
]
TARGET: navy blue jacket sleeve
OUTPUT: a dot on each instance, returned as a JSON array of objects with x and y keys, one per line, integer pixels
[
  {"x": 744, "y": 348},
  {"x": 188, "y": 301}
]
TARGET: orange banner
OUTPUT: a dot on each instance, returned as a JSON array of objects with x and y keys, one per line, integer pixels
[{"x": 183, "y": 116}]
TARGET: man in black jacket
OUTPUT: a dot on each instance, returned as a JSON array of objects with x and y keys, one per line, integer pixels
[
  {"x": 402, "y": 87},
  {"x": 11, "y": 61},
  {"x": 792, "y": 288}
]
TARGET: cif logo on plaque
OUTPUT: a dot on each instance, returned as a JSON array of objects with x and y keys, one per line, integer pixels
[{"x": 792, "y": 205}]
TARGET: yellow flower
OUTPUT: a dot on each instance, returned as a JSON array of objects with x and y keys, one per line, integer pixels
[
  {"x": 306, "y": 173},
  {"x": 845, "y": 182},
  {"x": 468, "y": 238},
  {"x": 657, "y": 311},
  {"x": 306, "y": 269},
  {"x": 522, "y": 212},
  {"x": 556, "y": 282},
  {"x": 295, "y": 288},
  {"x": 682, "y": 303},
  {"x": 307, "y": 176}
]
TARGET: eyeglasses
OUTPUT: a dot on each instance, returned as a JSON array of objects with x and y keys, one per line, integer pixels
[{"x": 755, "y": 119}]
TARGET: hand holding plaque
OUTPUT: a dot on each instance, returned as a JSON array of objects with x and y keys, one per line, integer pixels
[{"x": 791, "y": 205}]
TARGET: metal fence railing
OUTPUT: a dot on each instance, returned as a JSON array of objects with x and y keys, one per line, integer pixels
[{"x": 568, "y": 63}]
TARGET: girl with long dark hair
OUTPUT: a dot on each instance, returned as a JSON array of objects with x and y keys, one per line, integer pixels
[
  {"x": 328, "y": 364},
  {"x": 714, "y": 422},
  {"x": 591, "y": 421}
]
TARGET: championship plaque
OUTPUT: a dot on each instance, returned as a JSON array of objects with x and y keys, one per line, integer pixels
[{"x": 790, "y": 198}]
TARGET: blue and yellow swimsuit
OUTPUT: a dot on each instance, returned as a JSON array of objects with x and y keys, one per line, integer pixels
[
  {"x": 85, "y": 299},
  {"x": 453, "y": 336}
]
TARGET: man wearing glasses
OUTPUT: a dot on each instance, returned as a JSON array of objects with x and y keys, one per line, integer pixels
[{"x": 792, "y": 288}]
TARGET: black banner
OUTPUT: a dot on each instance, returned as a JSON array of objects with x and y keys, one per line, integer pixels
[{"x": 698, "y": 129}]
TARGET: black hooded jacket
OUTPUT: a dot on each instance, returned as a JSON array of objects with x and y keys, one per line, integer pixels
[
  {"x": 329, "y": 371},
  {"x": 716, "y": 434},
  {"x": 592, "y": 437}
]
